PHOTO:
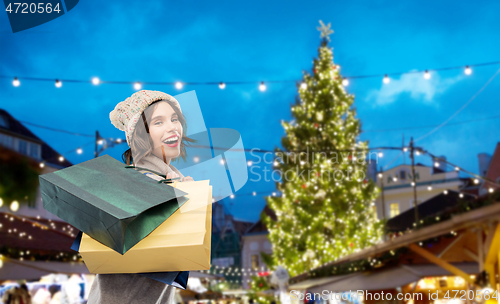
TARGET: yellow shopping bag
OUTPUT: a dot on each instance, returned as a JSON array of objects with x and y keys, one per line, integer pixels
[{"x": 181, "y": 243}]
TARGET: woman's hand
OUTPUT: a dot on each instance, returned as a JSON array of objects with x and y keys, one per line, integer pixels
[{"x": 187, "y": 179}]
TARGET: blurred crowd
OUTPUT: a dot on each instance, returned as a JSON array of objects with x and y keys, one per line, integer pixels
[{"x": 67, "y": 293}]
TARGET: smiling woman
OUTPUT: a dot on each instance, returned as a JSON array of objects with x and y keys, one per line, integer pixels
[
  {"x": 166, "y": 130},
  {"x": 155, "y": 129},
  {"x": 158, "y": 137}
]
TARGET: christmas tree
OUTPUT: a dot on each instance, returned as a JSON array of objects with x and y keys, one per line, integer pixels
[{"x": 326, "y": 208}]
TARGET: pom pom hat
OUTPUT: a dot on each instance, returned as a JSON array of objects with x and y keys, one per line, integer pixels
[{"x": 128, "y": 112}]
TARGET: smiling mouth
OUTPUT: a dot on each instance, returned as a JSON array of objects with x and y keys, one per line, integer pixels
[{"x": 172, "y": 141}]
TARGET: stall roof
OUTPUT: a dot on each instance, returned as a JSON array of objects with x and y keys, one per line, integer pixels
[
  {"x": 389, "y": 278},
  {"x": 318, "y": 282},
  {"x": 33, "y": 270},
  {"x": 458, "y": 222}
]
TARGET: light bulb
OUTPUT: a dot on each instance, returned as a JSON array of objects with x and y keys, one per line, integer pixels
[
  {"x": 427, "y": 75},
  {"x": 254, "y": 193},
  {"x": 476, "y": 181},
  {"x": 386, "y": 79},
  {"x": 14, "y": 206},
  {"x": 249, "y": 163},
  {"x": 429, "y": 188},
  {"x": 303, "y": 86},
  {"x": 16, "y": 82},
  {"x": 380, "y": 154},
  {"x": 96, "y": 81},
  {"x": 1, "y": 203},
  {"x": 42, "y": 165},
  {"x": 489, "y": 190},
  {"x": 262, "y": 87},
  {"x": 445, "y": 192},
  {"x": 457, "y": 169},
  {"x": 467, "y": 70},
  {"x": 119, "y": 140},
  {"x": 178, "y": 85},
  {"x": 137, "y": 86},
  {"x": 79, "y": 150},
  {"x": 196, "y": 159},
  {"x": 231, "y": 196},
  {"x": 61, "y": 158},
  {"x": 436, "y": 164},
  {"x": 222, "y": 85},
  {"x": 345, "y": 82},
  {"x": 58, "y": 83}
]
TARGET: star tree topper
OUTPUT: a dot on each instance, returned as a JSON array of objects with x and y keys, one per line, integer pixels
[{"x": 325, "y": 30}]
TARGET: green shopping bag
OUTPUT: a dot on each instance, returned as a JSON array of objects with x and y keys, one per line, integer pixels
[{"x": 115, "y": 205}]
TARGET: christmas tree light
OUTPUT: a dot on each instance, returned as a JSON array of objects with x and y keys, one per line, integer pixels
[{"x": 325, "y": 213}]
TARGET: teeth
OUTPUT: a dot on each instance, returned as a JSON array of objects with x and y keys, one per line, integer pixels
[{"x": 171, "y": 140}]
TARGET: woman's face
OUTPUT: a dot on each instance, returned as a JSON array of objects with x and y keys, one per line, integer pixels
[{"x": 166, "y": 132}]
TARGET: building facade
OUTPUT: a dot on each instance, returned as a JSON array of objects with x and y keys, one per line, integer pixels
[
  {"x": 18, "y": 142},
  {"x": 491, "y": 170},
  {"x": 255, "y": 242},
  {"x": 396, "y": 187}
]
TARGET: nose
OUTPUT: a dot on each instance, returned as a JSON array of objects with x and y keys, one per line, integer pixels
[{"x": 171, "y": 127}]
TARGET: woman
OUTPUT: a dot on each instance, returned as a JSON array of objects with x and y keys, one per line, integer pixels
[{"x": 155, "y": 130}]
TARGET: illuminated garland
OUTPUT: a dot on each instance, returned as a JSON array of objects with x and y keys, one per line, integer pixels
[{"x": 262, "y": 85}]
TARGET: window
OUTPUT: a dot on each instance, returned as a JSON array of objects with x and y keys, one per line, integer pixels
[
  {"x": 443, "y": 283},
  {"x": 394, "y": 209},
  {"x": 3, "y": 122},
  {"x": 31, "y": 202},
  {"x": 255, "y": 261},
  {"x": 22, "y": 146},
  {"x": 34, "y": 150},
  {"x": 6, "y": 141},
  {"x": 402, "y": 174}
]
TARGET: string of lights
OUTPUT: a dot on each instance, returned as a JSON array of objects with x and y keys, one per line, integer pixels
[
  {"x": 56, "y": 130},
  {"x": 379, "y": 154},
  {"x": 461, "y": 108},
  {"x": 137, "y": 85},
  {"x": 233, "y": 270},
  {"x": 61, "y": 158},
  {"x": 66, "y": 229}
]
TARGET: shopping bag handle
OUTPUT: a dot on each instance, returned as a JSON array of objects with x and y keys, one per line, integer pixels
[
  {"x": 165, "y": 180},
  {"x": 140, "y": 168}
]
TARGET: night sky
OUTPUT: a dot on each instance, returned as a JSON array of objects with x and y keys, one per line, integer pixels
[{"x": 199, "y": 41}]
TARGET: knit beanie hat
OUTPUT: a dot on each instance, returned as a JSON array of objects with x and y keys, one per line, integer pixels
[{"x": 128, "y": 112}]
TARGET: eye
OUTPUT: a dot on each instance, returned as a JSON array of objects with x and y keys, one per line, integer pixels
[
  {"x": 157, "y": 123},
  {"x": 175, "y": 119}
]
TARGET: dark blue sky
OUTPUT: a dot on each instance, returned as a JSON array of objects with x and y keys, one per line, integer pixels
[{"x": 254, "y": 41}]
